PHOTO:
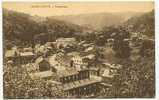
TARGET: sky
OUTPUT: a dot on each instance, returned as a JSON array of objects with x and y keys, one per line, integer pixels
[{"x": 73, "y": 8}]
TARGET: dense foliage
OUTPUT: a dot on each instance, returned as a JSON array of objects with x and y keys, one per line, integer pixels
[
  {"x": 18, "y": 84},
  {"x": 19, "y": 28}
]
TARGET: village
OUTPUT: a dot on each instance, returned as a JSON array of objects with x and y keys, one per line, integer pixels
[{"x": 69, "y": 65}]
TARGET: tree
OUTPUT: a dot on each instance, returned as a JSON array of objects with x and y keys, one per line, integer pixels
[{"x": 18, "y": 84}]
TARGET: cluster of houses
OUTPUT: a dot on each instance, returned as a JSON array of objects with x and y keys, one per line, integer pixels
[{"x": 68, "y": 71}]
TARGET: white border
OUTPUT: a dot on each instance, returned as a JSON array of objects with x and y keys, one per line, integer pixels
[
  {"x": 156, "y": 39},
  {"x": 156, "y": 46},
  {"x": 1, "y": 56},
  {"x": 71, "y": 0}
]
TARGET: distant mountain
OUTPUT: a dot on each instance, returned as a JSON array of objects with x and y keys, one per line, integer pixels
[{"x": 98, "y": 20}]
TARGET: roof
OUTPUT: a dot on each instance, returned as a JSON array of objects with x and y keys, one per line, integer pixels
[
  {"x": 26, "y": 54},
  {"x": 65, "y": 39},
  {"x": 89, "y": 49},
  {"x": 54, "y": 82},
  {"x": 86, "y": 45},
  {"x": 81, "y": 42},
  {"x": 93, "y": 68},
  {"x": 90, "y": 56},
  {"x": 79, "y": 83},
  {"x": 28, "y": 49},
  {"x": 10, "y": 62},
  {"x": 53, "y": 62},
  {"x": 38, "y": 60},
  {"x": 44, "y": 74},
  {"x": 96, "y": 77},
  {"x": 106, "y": 84},
  {"x": 116, "y": 66},
  {"x": 73, "y": 53},
  {"x": 67, "y": 72},
  {"x": 113, "y": 66},
  {"x": 10, "y": 53},
  {"x": 107, "y": 64}
]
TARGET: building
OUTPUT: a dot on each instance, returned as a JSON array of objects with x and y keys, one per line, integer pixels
[
  {"x": 110, "y": 42},
  {"x": 77, "y": 62},
  {"x": 82, "y": 88},
  {"x": 78, "y": 83},
  {"x": 63, "y": 42},
  {"x": 43, "y": 64},
  {"x": 109, "y": 71},
  {"x": 94, "y": 71},
  {"x": 26, "y": 57},
  {"x": 19, "y": 57},
  {"x": 74, "y": 81},
  {"x": 11, "y": 55}
]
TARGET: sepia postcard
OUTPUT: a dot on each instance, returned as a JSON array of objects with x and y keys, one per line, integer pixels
[{"x": 79, "y": 50}]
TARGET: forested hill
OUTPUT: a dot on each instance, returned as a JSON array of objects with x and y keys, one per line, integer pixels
[
  {"x": 19, "y": 27},
  {"x": 144, "y": 24},
  {"x": 141, "y": 24}
]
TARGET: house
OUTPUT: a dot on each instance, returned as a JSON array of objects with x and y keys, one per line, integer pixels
[
  {"x": 43, "y": 64},
  {"x": 108, "y": 71},
  {"x": 11, "y": 54},
  {"x": 67, "y": 75},
  {"x": 94, "y": 71},
  {"x": 55, "y": 63},
  {"x": 110, "y": 42},
  {"x": 78, "y": 62},
  {"x": 40, "y": 49},
  {"x": 26, "y": 57},
  {"x": 78, "y": 83}
]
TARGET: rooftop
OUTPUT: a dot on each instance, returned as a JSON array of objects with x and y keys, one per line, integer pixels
[
  {"x": 89, "y": 49},
  {"x": 113, "y": 66},
  {"x": 66, "y": 39},
  {"x": 90, "y": 56},
  {"x": 26, "y": 54},
  {"x": 67, "y": 72},
  {"x": 44, "y": 74},
  {"x": 10, "y": 53},
  {"x": 79, "y": 83}
]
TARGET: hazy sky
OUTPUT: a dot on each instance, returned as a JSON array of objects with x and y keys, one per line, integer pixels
[{"x": 52, "y": 9}]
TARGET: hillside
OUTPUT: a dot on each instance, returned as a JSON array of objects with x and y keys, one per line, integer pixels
[
  {"x": 144, "y": 24},
  {"x": 21, "y": 27}
]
